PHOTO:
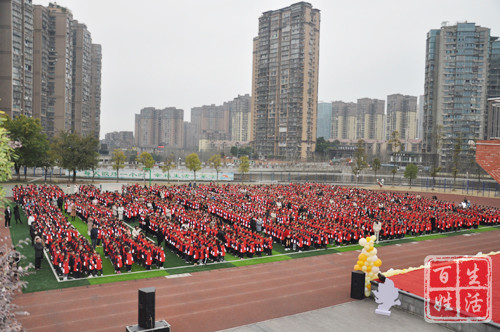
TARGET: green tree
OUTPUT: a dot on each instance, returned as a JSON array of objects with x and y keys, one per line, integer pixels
[
  {"x": 394, "y": 171},
  {"x": 11, "y": 275},
  {"x": 118, "y": 158},
  {"x": 376, "y": 166},
  {"x": 395, "y": 141},
  {"x": 34, "y": 143},
  {"x": 74, "y": 152},
  {"x": 47, "y": 162},
  {"x": 168, "y": 165},
  {"x": 193, "y": 163},
  {"x": 244, "y": 165},
  {"x": 131, "y": 156},
  {"x": 437, "y": 142},
  {"x": 157, "y": 157},
  {"x": 359, "y": 162},
  {"x": 215, "y": 163},
  {"x": 146, "y": 159},
  {"x": 457, "y": 149},
  {"x": 434, "y": 173},
  {"x": 237, "y": 150},
  {"x": 473, "y": 165},
  {"x": 411, "y": 172},
  {"x": 6, "y": 152}
]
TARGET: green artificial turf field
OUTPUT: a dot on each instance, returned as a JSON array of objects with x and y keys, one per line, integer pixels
[{"x": 45, "y": 279}]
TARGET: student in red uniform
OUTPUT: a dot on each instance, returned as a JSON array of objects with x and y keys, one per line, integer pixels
[
  {"x": 118, "y": 263},
  {"x": 77, "y": 267},
  {"x": 160, "y": 260},
  {"x": 98, "y": 264},
  {"x": 149, "y": 260},
  {"x": 65, "y": 267},
  {"x": 129, "y": 260}
]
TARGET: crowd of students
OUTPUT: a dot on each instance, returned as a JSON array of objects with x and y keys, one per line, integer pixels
[
  {"x": 313, "y": 215},
  {"x": 70, "y": 253},
  {"x": 202, "y": 223}
]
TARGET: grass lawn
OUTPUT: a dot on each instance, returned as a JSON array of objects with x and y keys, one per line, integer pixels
[{"x": 44, "y": 279}]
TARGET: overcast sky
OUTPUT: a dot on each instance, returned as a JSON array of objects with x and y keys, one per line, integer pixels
[{"x": 189, "y": 53}]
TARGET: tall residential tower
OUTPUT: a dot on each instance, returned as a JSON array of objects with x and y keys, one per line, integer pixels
[
  {"x": 47, "y": 63},
  {"x": 16, "y": 57},
  {"x": 370, "y": 119},
  {"x": 456, "y": 75},
  {"x": 285, "y": 82},
  {"x": 401, "y": 116}
]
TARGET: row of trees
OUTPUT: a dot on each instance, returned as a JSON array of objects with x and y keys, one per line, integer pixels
[
  {"x": 33, "y": 148},
  {"x": 192, "y": 161},
  {"x": 75, "y": 153},
  {"x": 11, "y": 273},
  {"x": 360, "y": 162}
]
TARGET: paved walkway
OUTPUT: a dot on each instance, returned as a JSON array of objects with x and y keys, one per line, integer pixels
[{"x": 352, "y": 316}]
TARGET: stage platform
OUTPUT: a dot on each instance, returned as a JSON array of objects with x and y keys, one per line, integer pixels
[{"x": 411, "y": 288}]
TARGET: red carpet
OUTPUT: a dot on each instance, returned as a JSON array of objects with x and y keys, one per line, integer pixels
[{"x": 413, "y": 282}]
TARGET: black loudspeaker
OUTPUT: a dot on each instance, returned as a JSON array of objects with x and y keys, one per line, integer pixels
[
  {"x": 358, "y": 285},
  {"x": 147, "y": 307}
]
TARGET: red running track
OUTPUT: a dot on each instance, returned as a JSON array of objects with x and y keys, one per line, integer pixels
[{"x": 220, "y": 299}]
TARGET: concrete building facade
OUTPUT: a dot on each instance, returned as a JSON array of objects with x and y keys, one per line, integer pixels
[
  {"x": 95, "y": 87},
  {"x": 456, "y": 75},
  {"x": 16, "y": 57},
  {"x": 492, "y": 125},
  {"x": 119, "y": 140},
  {"x": 45, "y": 68},
  {"x": 344, "y": 120},
  {"x": 159, "y": 127},
  {"x": 420, "y": 117},
  {"x": 81, "y": 119},
  {"x": 401, "y": 116},
  {"x": 493, "y": 119},
  {"x": 210, "y": 122},
  {"x": 285, "y": 82},
  {"x": 370, "y": 119},
  {"x": 239, "y": 117},
  {"x": 324, "y": 121},
  {"x": 494, "y": 69}
]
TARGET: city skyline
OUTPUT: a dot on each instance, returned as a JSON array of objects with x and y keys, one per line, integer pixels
[{"x": 189, "y": 58}]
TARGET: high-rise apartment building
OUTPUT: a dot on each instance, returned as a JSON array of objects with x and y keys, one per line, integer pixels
[
  {"x": 456, "y": 76},
  {"x": 493, "y": 118},
  {"x": 285, "y": 82},
  {"x": 210, "y": 122},
  {"x": 494, "y": 69},
  {"x": 492, "y": 125},
  {"x": 82, "y": 71},
  {"x": 324, "y": 121},
  {"x": 370, "y": 119},
  {"x": 420, "y": 117},
  {"x": 60, "y": 71},
  {"x": 155, "y": 127},
  {"x": 41, "y": 39},
  {"x": 239, "y": 118},
  {"x": 46, "y": 64},
  {"x": 344, "y": 120},
  {"x": 16, "y": 57},
  {"x": 189, "y": 140},
  {"x": 95, "y": 88},
  {"x": 119, "y": 140},
  {"x": 401, "y": 116}
]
